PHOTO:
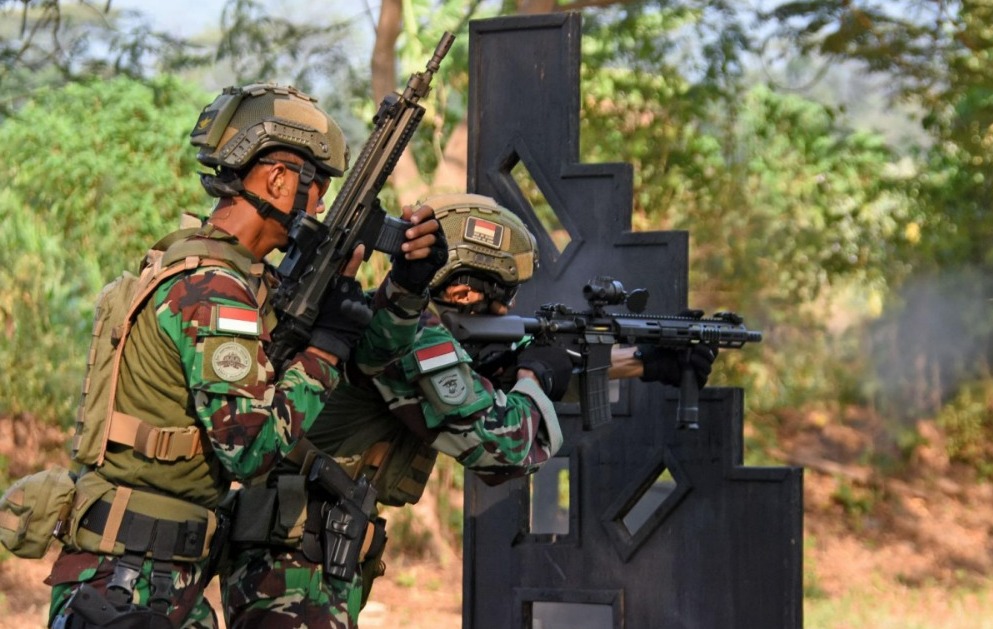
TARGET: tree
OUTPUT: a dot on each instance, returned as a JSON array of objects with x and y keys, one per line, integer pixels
[{"x": 82, "y": 200}]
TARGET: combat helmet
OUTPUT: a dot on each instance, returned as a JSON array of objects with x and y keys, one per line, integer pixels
[
  {"x": 244, "y": 122},
  {"x": 489, "y": 247}
]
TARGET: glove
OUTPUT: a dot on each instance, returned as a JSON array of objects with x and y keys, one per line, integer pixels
[
  {"x": 666, "y": 365},
  {"x": 551, "y": 365},
  {"x": 415, "y": 275},
  {"x": 342, "y": 318}
]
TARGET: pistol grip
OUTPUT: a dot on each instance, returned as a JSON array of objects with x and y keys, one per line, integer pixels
[{"x": 391, "y": 235}]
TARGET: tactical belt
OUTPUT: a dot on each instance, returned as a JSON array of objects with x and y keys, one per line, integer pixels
[{"x": 140, "y": 533}]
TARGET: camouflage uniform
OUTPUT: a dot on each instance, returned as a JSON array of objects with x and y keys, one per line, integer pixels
[
  {"x": 385, "y": 407},
  {"x": 250, "y": 415},
  {"x": 195, "y": 403},
  {"x": 172, "y": 374}
]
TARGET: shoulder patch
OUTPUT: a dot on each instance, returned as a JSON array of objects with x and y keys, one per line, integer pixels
[
  {"x": 451, "y": 386},
  {"x": 232, "y": 360},
  {"x": 436, "y": 356},
  {"x": 236, "y": 320}
]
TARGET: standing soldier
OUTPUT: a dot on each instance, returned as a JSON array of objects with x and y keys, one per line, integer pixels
[
  {"x": 192, "y": 400},
  {"x": 388, "y": 424}
]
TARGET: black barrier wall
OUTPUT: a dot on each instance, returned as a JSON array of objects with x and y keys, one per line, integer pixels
[{"x": 636, "y": 524}]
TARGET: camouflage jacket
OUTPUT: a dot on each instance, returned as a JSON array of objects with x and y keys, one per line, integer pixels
[
  {"x": 197, "y": 354},
  {"x": 431, "y": 395}
]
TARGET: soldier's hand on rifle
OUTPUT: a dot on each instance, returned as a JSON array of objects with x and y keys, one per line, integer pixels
[
  {"x": 551, "y": 366},
  {"x": 343, "y": 315},
  {"x": 424, "y": 252},
  {"x": 665, "y": 365}
]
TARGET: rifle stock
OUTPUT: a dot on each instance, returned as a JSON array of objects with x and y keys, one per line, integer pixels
[
  {"x": 592, "y": 333},
  {"x": 321, "y": 249}
]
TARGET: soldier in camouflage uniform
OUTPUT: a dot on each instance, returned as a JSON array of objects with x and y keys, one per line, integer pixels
[
  {"x": 195, "y": 371},
  {"x": 389, "y": 425}
]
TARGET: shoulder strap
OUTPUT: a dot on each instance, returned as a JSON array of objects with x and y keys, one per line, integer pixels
[{"x": 163, "y": 444}]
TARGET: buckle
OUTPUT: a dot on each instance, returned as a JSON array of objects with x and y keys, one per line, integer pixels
[{"x": 186, "y": 442}]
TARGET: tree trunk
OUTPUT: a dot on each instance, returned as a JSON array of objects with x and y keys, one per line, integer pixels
[{"x": 407, "y": 179}]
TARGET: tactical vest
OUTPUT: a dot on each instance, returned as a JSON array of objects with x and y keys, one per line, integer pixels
[{"x": 163, "y": 448}]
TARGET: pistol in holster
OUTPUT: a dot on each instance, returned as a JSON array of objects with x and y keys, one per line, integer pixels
[{"x": 348, "y": 528}]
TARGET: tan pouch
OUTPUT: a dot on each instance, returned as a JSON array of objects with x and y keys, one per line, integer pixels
[{"x": 34, "y": 512}]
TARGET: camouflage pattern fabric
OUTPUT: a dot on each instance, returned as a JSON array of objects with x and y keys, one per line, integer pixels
[
  {"x": 281, "y": 589},
  {"x": 198, "y": 348},
  {"x": 509, "y": 434},
  {"x": 188, "y": 610},
  {"x": 278, "y": 588}
]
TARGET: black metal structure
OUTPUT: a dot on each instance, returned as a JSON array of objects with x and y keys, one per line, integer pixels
[{"x": 635, "y": 525}]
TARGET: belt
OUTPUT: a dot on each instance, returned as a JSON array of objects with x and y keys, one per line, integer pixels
[{"x": 141, "y": 533}]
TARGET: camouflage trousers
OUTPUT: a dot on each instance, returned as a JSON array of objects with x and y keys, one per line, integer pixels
[
  {"x": 188, "y": 608},
  {"x": 279, "y": 588}
]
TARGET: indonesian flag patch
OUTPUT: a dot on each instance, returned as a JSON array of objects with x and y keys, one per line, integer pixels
[
  {"x": 237, "y": 320},
  {"x": 435, "y": 357},
  {"x": 484, "y": 232}
]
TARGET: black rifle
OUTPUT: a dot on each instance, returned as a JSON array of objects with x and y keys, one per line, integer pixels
[
  {"x": 321, "y": 249},
  {"x": 591, "y": 334}
]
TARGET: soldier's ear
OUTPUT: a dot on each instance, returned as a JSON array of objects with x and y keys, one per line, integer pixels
[{"x": 460, "y": 294}]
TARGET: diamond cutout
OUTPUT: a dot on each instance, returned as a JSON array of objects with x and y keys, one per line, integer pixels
[
  {"x": 530, "y": 193},
  {"x": 645, "y": 503},
  {"x": 543, "y": 210},
  {"x": 650, "y": 500}
]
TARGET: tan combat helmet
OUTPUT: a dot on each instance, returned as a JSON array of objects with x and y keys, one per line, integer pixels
[
  {"x": 485, "y": 241},
  {"x": 245, "y": 121}
]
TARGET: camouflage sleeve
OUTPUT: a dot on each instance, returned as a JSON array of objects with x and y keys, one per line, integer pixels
[
  {"x": 252, "y": 415},
  {"x": 487, "y": 430},
  {"x": 396, "y": 313}
]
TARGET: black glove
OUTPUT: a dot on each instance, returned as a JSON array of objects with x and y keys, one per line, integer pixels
[
  {"x": 552, "y": 366},
  {"x": 415, "y": 275},
  {"x": 666, "y": 365},
  {"x": 342, "y": 318}
]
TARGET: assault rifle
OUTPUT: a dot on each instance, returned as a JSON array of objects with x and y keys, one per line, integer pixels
[
  {"x": 321, "y": 249},
  {"x": 591, "y": 334}
]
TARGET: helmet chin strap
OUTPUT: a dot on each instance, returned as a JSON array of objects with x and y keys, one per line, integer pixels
[
  {"x": 306, "y": 172},
  {"x": 229, "y": 184}
]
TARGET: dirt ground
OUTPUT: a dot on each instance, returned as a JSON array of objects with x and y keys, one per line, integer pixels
[{"x": 899, "y": 542}]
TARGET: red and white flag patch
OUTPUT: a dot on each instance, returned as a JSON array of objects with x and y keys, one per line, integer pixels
[
  {"x": 436, "y": 356},
  {"x": 237, "y": 320},
  {"x": 484, "y": 232}
]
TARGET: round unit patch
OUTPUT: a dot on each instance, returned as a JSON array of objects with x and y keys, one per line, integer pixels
[{"x": 231, "y": 361}]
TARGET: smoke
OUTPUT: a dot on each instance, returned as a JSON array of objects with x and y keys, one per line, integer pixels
[{"x": 935, "y": 338}]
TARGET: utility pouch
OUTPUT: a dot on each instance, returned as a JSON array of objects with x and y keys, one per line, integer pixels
[
  {"x": 271, "y": 515},
  {"x": 34, "y": 512}
]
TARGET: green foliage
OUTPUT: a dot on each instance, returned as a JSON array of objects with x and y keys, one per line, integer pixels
[
  {"x": 94, "y": 173},
  {"x": 968, "y": 423},
  {"x": 406, "y": 537},
  {"x": 448, "y": 480},
  {"x": 857, "y": 501},
  {"x": 812, "y": 588}
]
